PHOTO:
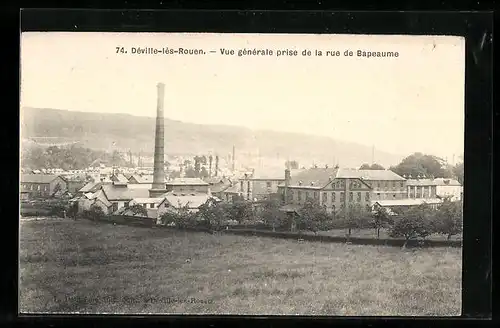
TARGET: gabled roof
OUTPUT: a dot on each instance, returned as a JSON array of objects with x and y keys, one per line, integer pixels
[
  {"x": 91, "y": 187},
  {"x": 119, "y": 178},
  {"x": 313, "y": 177},
  {"x": 193, "y": 200},
  {"x": 234, "y": 189},
  {"x": 123, "y": 193},
  {"x": 432, "y": 182},
  {"x": 38, "y": 178},
  {"x": 141, "y": 178},
  {"x": 187, "y": 182},
  {"x": 369, "y": 175}
]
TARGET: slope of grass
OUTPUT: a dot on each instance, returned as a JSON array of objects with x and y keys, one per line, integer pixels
[{"x": 86, "y": 267}]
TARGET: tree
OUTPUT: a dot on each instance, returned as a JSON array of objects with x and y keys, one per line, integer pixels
[
  {"x": 272, "y": 215},
  {"x": 449, "y": 218},
  {"x": 419, "y": 164},
  {"x": 216, "y": 164},
  {"x": 381, "y": 219},
  {"x": 458, "y": 171},
  {"x": 138, "y": 209},
  {"x": 203, "y": 173},
  {"x": 414, "y": 223},
  {"x": 313, "y": 217},
  {"x": 214, "y": 214},
  {"x": 364, "y": 166},
  {"x": 241, "y": 211},
  {"x": 190, "y": 172},
  {"x": 94, "y": 213},
  {"x": 210, "y": 160},
  {"x": 355, "y": 216},
  {"x": 292, "y": 165}
]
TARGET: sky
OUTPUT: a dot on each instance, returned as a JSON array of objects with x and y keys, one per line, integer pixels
[{"x": 413, "y": 102}]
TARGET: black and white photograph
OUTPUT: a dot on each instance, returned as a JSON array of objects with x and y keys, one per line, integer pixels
[{"x": 241, "y": 174}]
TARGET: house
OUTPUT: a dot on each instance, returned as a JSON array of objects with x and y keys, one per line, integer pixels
[
  {"x": 42, "y": 185},
  {"x": 173, "y": 202},
  {"x": 90, "y": 187},
  {"x": 260, "y": 184},
  {"x": 187, "y": 185},
  {"x": 325, "y": 186},
  {"x": 397, "y": 205},
  {"x": 119, "y": 178},
  {"x": 434, "y": 188},
  {"x": 140, "y": 179},
  {"x": 89, "y": 199},
  {"x": 147, "y": 203},
  {"x": 120, "y": 195},
  {"x": 385, "y": 184},
  {"x": 74, "y": 184},
  {"x": 230, "y": 193}
]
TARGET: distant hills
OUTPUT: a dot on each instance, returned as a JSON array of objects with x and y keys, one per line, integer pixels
[{"x": 125, "y": 132}]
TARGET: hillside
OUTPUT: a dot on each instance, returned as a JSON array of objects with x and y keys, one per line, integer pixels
[{"x": 126, "y": 132}]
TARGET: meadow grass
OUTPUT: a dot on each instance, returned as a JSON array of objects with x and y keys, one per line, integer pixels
[{"x": 87, "y": 267}]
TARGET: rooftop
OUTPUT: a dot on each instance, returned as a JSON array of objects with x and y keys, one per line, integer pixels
[
  {"x": 192, "y": 200},
  {"x": 313, "y": 177},
  {"x": 432, "y": 182},
  {"x": 123, "y": 193},
  {"x": 187, "y": 181},
  {"x": 407, "y": 202},
  {"x": 370, "y": 175},
  {"x": 37, "y": 178}
]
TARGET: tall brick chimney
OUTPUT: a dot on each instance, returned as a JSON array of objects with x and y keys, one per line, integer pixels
[{"x": 159, "y": 187}]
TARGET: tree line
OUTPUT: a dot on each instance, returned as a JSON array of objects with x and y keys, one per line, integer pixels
[
  {"x": 417, "y": 222},
  {"x": 72, "y": 157}
]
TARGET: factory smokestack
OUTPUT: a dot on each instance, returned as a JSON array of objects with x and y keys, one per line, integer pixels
[
  {"x": 159, "y": 187},
  {"x": 232, "y": 157}
]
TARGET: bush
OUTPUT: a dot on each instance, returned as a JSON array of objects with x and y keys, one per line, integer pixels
[
  {"x": 415, "y": 222},
  {"x": 214, "y": 214},
  {"x": 354, "y": 217},
  {"x": 449, "y": 219},
  {"x": 94, "y": 213},
  {"x": 272, "y": 215},
  {"x": 313, "y": 217}
]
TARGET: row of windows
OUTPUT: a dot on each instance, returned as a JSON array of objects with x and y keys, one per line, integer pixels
[
  {"x": 333, "y": 196},
  {"x": 387, "y": 184},
  {"x": 35, "y": 187}
]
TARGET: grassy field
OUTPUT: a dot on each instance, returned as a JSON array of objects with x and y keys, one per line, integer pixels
[{"x": 85, "y": 267}]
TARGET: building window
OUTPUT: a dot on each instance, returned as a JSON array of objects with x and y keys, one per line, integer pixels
[
  {"x": 402, "y": 184},
  {"x": 151, "y": 205},
  {"x": 325, "y": 197},
  {"x": 316, "y": 194},
  {"x": 299, "y": 196},
  {"x": 333, "y": 197},
  {"x": 268, "y": 184},
  {"x": 367, "y": 196},
  {"x": 351, "y": 196},
  {"x": 115, "y": 207},
  {"x": 342, "y": 197},
  {"x": 126, "y": 204},
  {"x": 359, "y": 197},
  {"x": 38, "y": 188}
]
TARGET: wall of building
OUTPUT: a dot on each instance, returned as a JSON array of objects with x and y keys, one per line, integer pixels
[
  {"x": 258, "y": 189},
  {"x": 388, "y": 189},
  {"x": 419, "y": 192},
  {"x": 335, "y": 196},
  {"x": 455, "y": 192},
  {"x": 186, "y": 189}
]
